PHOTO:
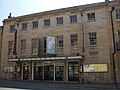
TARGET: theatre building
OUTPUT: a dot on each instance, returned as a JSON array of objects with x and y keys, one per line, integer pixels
[
  {"x": 1, "y": 30},
  {"x": 68, "y": 44}
]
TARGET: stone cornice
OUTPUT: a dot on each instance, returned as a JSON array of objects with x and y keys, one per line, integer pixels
[{"x": 57, "y": 11}]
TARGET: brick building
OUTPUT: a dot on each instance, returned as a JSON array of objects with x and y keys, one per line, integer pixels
[{"x": 69, "y": 44}]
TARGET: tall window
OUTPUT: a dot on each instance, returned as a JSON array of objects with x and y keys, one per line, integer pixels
[
  {"x": 73, "y": 18},
  {"x": 47, "y": 22},
  {"x": 24, "y": 26},
  {"x": 74, "y": 41},
  {"x": 12, "y": 28},
  {"x": 23, "y": 46},
  {"x": 10, "y": 47},
  {"x": 91, "y": 16},
  {"x": 93, "y": 40},
  {"x": 60, "y": 43},
  {"x": 118, "y": 13},
  {"x": 59, "y": 20},
  {"x": 35, "y": 24},
  {"x": 45, "y": 44},
  {"x": 34, "y": 45}
]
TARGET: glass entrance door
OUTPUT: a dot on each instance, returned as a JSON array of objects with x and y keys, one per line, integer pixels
[
  {"x": 38, "y": 72},
  {"x": 49, "y": 72},
  {"x": 73, "y": 74},
  {"x": 59, "y": 73},
  {"x": 25, "y": 72}
]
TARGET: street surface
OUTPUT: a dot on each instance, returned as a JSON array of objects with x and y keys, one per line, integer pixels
[{"x": 32, "y": 85}]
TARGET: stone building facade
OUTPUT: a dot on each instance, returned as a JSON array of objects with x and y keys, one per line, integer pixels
[
  {"x": 1, "y": 32},
  {"x": 69, "y": 44}
]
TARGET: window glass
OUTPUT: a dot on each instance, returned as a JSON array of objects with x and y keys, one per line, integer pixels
[
  {"x": 73, "y": 18},
  {"x": 47, "y": 22}
]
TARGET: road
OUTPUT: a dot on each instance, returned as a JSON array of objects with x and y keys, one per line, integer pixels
[{"x": 26, "y": 85}]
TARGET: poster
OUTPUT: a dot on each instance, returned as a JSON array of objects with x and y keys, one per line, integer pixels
[{"x": 50, "y": 45}]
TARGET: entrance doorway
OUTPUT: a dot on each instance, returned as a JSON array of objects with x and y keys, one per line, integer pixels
[
  {"x": 49, "y": 72},
  {"x": 38, "y": 73},
  {"x": 59, "y": 73},
  {"x": 25, "y": 72},
  {"x": 73, "y": 71},
  {"x": 44, "y": 72}
]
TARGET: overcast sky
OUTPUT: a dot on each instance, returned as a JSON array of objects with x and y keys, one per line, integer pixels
[{"x": 23, "y": 7}]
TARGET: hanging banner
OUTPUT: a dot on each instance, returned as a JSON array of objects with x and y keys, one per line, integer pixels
[{"x": 50, "y": 45}]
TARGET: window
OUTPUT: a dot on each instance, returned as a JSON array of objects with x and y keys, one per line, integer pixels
[
  {"x": 10, "y": 47},
  {"x": 60, "y": 43},
  {"x": 74, "y": 41},
  {"x": 91, "y": 16},
  {"x": 73, "y": 18},
  {"x": 92, "y": 40},
  {"x": 47, "y": 22},
  {"x": 34, "y": 45},
  {"x": 118, "y": 14},
  {"x": 12, "y": 28},
  {"x": 59, "y": 20},
  {"x": 24, "y": 26},
  {"x": 35, "y": 24},
  {"x": 23, "y": 46},
  {"x": 45, "y": 44}
]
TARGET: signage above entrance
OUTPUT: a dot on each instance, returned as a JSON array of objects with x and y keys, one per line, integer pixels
[{"x": 48, "y": 58}]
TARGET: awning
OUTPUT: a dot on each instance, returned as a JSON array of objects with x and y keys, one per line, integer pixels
[{"x": 49, "y": 58}]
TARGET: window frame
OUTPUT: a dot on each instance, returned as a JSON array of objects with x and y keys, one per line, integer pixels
[
  {"x": 73, "y": 19},
  {"x": 93, "y": 40},
  {"x": 24, "y": 26},
  {"x": 34, "y": 45},
  {"x": 91, "y": 16},
  {"x": 23, "y": 46},
  {"x": 35, "y": 24},
  {"x": 74, "y": 41},
  {"x": 47, "y": 22},
  {"x": 59, "y": 20},
  {"x": 60, "y": 43},
  {"x": 10, "y": 47},
  {"x": 118, "y": 14},
  {"x": 12, "y": 28}
]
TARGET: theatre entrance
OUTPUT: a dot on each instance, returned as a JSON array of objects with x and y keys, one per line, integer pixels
[
  {"x": 44, "y": 72},
  {"x": 26, "y": 72},
  {"x": 73, "y": 73},
  {"x": 59, "y": 73}
]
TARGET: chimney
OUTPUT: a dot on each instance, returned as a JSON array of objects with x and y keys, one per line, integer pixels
[{"x": 9, "y": 15}]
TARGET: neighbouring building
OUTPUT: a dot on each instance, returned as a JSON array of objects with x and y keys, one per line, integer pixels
[
  {"x": 69, "y": 44},
  {"x": 1, "y": 32}
]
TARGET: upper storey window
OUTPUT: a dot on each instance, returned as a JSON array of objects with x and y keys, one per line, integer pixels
[
  {"x": 35, "y": 24},
  {"x": 74, "y": 41},
  {"x": 24, "y": 26},
  {"x": 59, "y": 20},
  {"x": 12, "y": 28},
  {"x": 47, "y": 22},
  {"x": 91, "y": 16},
  {"x": 73, "y": 18},
  {"x": 118, "y": 13}
]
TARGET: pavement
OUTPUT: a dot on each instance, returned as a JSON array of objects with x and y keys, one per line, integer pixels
[
  {"x": 101, "y": 86},
  {"x": 77, "y": 84}
]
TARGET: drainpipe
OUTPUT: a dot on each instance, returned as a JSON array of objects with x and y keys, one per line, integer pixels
[{"x": 114, "y": 48}]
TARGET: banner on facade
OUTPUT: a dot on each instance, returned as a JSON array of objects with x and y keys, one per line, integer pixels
[
  {"x": 95, "y": 68},
  {"x": 50, "y": 45}
]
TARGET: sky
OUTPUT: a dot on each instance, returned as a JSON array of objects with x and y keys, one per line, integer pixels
[{"x": 24, "y": 7}]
